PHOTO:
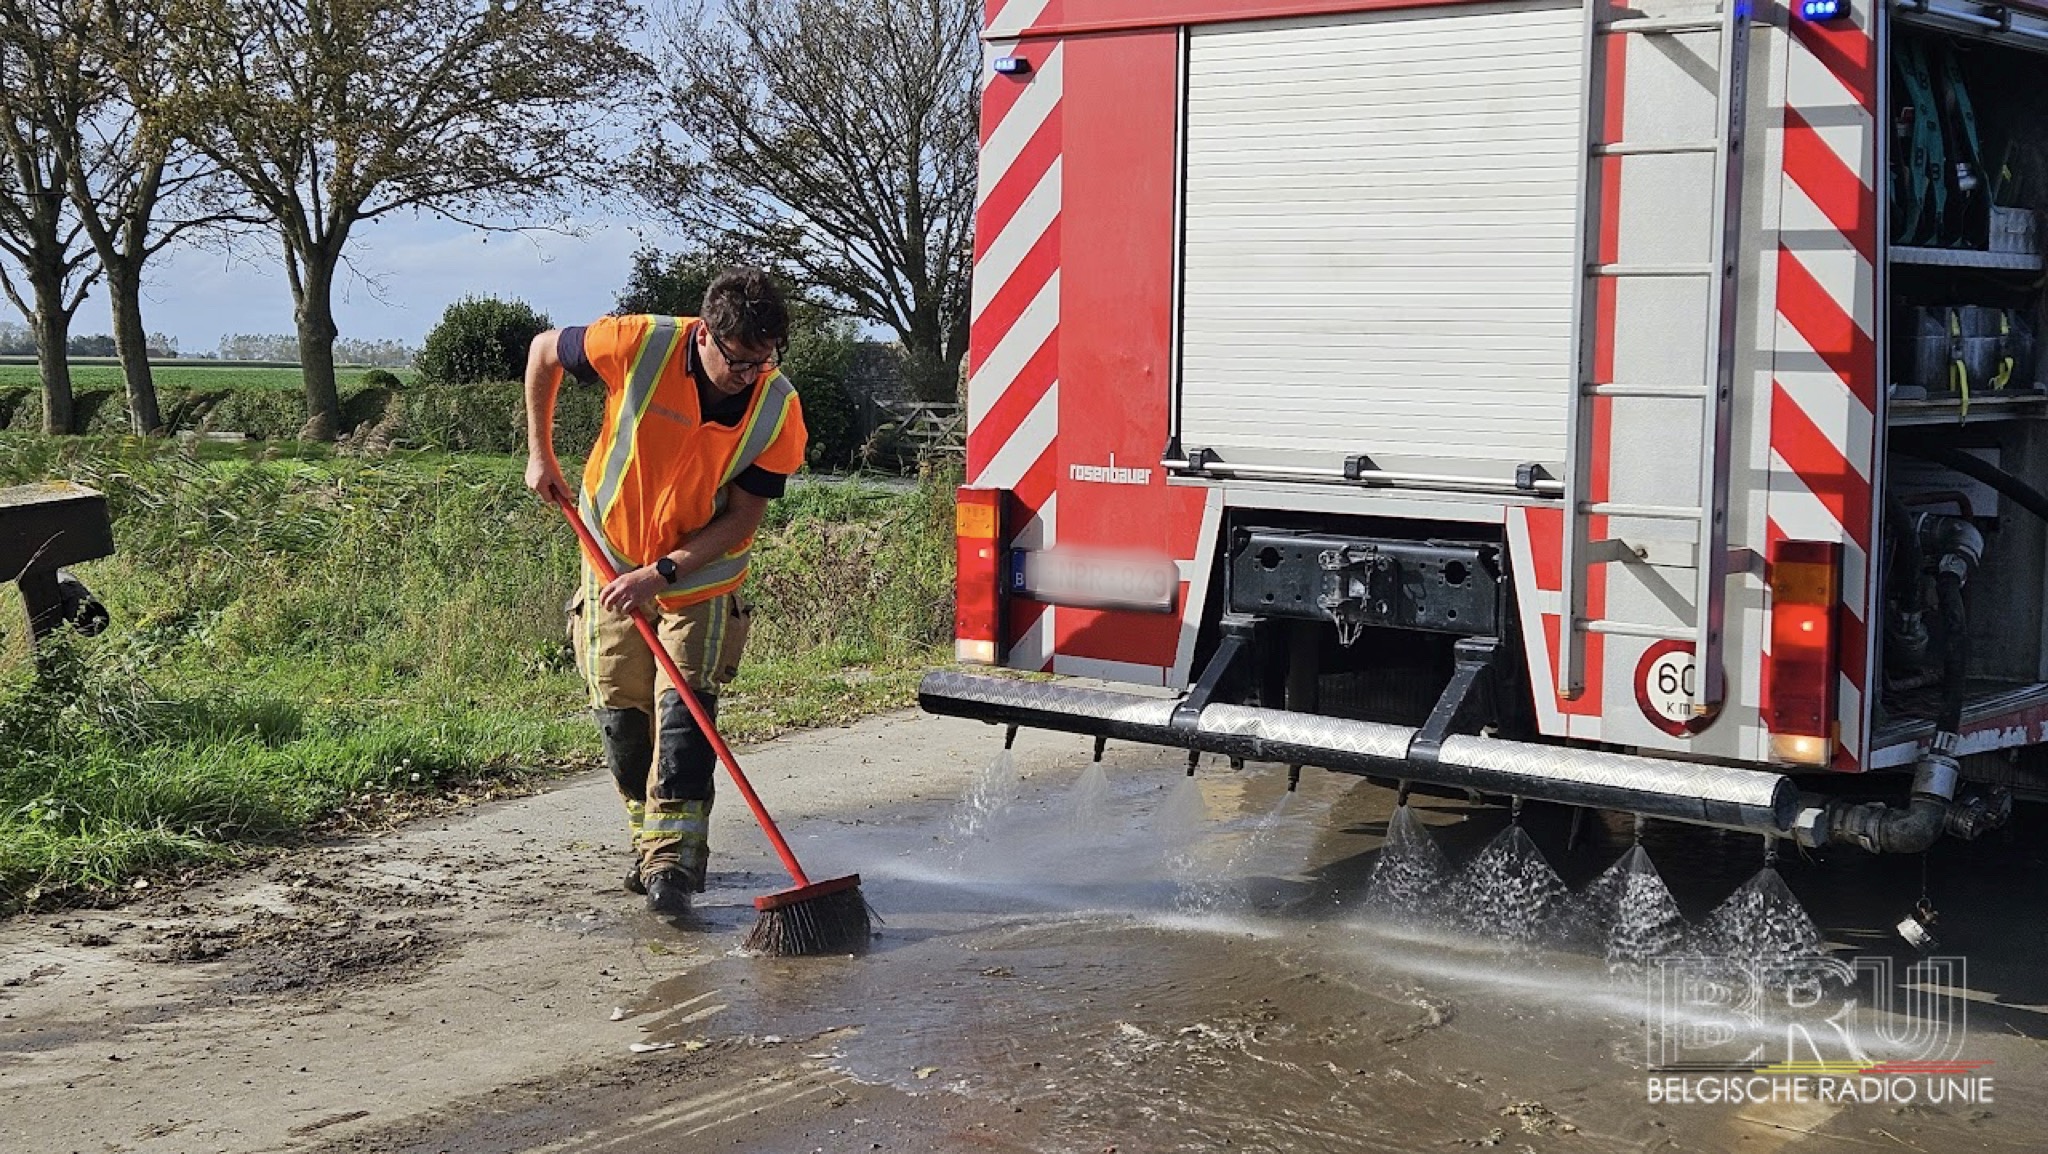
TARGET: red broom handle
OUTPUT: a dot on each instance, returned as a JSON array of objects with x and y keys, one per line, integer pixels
[{"x": 604, "y": 569}]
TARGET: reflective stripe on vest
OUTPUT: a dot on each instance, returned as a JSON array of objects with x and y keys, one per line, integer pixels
[
  {"x": 656, "y": 349},
  {"x": 763, "y": 428},
  {"x": 764, "y": 424}
]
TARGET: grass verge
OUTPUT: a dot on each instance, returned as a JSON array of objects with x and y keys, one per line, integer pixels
[{"x": 311, "y": 642}]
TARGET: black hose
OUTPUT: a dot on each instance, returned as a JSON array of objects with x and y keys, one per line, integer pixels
[
  {"x": 1903, "y": 573},
  {"x": 1910, "y": 828},
  {"x": 1977, "y": 468},
  {"x": 1955, "y": 651},
  {"x": 1901, "y": 570},
  {"x": 1880, "y": 828}
]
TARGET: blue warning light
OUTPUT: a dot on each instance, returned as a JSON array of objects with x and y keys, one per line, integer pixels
[{"x": 1816, "y": 11}]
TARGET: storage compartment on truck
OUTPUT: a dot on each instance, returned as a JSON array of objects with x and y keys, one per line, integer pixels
[{"x": 1967, "y": 408}]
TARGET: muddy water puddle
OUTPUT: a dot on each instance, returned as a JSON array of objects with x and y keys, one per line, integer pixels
[{"x": 1136, "y": 959}]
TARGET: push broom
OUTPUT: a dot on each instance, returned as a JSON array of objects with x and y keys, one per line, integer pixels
[{"x": 827, "y": 917}]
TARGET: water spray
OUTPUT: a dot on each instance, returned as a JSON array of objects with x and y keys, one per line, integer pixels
[{"x": 1508, "y": 892}]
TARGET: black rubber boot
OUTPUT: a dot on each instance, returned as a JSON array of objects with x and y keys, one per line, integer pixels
[{"x": 668, "y": 892}]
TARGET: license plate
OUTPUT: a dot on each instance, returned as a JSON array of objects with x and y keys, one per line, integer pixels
[{"x": 1096, "y": 580}]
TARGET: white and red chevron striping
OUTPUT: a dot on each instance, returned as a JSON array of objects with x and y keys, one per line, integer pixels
[
  {"x": 1824, "y": 433},
  {"x": 1011, "y": 18},
  {"x": 1013, "y": 378}
]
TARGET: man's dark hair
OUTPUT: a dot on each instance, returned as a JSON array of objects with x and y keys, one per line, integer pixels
[{"x": 744, "y": 306}]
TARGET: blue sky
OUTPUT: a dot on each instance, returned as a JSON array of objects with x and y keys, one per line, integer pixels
[{"x": 419, "y": 266}]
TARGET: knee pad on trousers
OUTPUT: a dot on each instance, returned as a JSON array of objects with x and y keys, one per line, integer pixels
[
  {"x": 628, "y": 748},
  {"x": 683, "y": 767}
]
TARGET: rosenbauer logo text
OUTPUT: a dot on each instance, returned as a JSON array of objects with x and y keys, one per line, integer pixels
[{"x": 1110, "y": 474}]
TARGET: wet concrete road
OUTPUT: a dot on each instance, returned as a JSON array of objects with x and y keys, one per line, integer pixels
[{"x": 1074, "y": 961}]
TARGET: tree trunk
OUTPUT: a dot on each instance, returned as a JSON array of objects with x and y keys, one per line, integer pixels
[
  {"x": 124, "y": 290},
  {"x": 923, "y": 339},
  {"x": 956, "y": 342},
  {"x": 315, "y": 317},
  {"x": 53, "y": 359},
  {"x": 926, "y": 369}
]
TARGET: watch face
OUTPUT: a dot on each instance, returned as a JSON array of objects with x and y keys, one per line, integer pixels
[{"x": 666, "y": 568}]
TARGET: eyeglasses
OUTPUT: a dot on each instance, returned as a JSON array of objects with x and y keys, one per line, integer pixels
[{"x": 750, "y": 368}]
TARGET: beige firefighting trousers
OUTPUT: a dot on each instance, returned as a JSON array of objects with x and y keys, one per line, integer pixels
[{"x": 668, "y": 799}]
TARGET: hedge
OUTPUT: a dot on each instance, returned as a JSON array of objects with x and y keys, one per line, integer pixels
[{"x": 485, "y": 418}]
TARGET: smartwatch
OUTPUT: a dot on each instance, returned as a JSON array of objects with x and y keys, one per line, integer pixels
[{"x": 666, "y": 566}]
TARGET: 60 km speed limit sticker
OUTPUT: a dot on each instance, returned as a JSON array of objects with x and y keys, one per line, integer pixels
[{"x": 1666, "y": 679}]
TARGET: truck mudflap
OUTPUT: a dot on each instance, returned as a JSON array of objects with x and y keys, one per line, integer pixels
[{"x": 1752, "y": 800}]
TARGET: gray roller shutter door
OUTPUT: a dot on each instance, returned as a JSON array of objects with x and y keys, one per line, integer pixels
[{"x": 1379, "y": 239}]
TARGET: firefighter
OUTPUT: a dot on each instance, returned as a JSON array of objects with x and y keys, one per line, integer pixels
[{"x": 700, "y": 432}]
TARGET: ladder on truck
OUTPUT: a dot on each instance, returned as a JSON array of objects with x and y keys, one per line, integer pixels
[{"x": 1709, "y": 397}]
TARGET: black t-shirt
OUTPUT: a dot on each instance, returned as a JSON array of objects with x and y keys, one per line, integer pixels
[{"x": 713, "y": 406}]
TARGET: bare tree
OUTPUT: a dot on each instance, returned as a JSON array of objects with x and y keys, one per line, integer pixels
[
  {"x": 334, "y": 112},
  {"x": 134, "y": 188},
  {"x": 138, "y": 188},
  {"x": 39, "y": 230},
  {"x": 837, "y": 139}
]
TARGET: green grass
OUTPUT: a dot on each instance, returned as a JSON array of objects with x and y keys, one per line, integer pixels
[
  {"x": 306, "y": 639},
  {"x": 198, "y": 376}
]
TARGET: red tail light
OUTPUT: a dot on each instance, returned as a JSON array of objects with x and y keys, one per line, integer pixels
[
  {"x": 978, "y": 603},
  {"x": 1799, "y": 705}
]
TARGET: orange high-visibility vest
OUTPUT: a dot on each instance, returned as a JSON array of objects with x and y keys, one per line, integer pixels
[{"x": 659, "y": 471}]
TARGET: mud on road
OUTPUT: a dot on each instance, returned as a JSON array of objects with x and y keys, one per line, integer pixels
[{"x": 1072, "y": 959}]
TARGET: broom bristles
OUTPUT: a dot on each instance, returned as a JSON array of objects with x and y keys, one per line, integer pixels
[{"x": 836, "y": 921}]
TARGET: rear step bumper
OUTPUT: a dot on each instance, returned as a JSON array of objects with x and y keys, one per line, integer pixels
[{"x": 1712, "y": 795}]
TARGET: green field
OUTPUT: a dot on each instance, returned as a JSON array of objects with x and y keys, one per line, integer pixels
[{"x": 90, "y": 375}]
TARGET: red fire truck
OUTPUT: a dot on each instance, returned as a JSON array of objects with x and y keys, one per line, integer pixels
[{"x": 1632, "y": 406}]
